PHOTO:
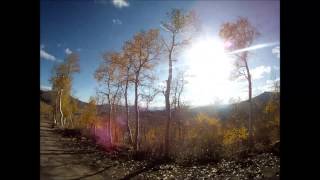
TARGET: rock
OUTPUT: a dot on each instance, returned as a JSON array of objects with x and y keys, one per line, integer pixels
[
  {"x": 269, "y": 172},
  {"x": 214, "y": 170}
]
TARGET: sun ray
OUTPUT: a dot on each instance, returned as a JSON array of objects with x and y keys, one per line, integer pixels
[{"x": 258, "y": 46}]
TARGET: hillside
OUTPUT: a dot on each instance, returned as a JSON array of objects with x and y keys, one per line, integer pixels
[
  {"x": 48, "y": 98},
  {"x": 222, "y": 111},
  {"x": 59, "y": 149}
]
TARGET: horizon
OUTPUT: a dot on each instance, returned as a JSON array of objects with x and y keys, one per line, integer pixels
[{"x": 191, "y": 106}]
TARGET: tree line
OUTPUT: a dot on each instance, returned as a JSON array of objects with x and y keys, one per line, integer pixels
[{"x": 131, "y": 71}]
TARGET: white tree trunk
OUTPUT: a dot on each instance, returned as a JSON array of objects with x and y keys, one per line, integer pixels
[
  {"x": 71, "y": 121},
  {"x": 54, "y": 119},
  {"x": 60, "y": 108},
  {"x": 55, "y": 111}
]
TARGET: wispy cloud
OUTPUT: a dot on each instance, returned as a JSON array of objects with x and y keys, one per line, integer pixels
[
  {"x": 258, "y": 72},
  {"x": 120, "y": 3},
  {"x": 276, "y": 51},
  {"x": 79, "y": 49},
  {"x": 276, "y": 68},
  {"x": 46, "y": 56},
  {"x": 116, "y": 21},
  {"x": 68, "y": 51},
  {"x": 44, "y": 87},
  {"x": 269, "y": 82},
  {"x": 269, "y": 85}
]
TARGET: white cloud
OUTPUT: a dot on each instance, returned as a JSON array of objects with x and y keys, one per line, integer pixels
[
  {"x": 120, "y": 3},
  {"x": 116, "y": 21},
  {"x": 47, "y": 56},
  {"x": 276, "y": 68},
  {"x": 269, "y": 85},
  {"x": 68, "y": 51},
  {"x": 258, "y": 72},
  {"x": 44, "y": 87},
  {"x": 276, "y": 51}
]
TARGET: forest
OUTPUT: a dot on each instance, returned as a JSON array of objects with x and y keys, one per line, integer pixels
[{"x": 119, "y": 118}]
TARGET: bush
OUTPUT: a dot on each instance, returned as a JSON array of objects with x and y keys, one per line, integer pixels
[
  {"x": 202, "y": 142},
  {"x": 233, "y": 140},
  {"x": 45, "y": 109}
]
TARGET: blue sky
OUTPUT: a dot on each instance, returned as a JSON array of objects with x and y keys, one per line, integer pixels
[{"x": 93, "y": 27}]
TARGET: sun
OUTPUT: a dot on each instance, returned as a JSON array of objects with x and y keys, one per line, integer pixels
[{"x": 209, "y": 67}]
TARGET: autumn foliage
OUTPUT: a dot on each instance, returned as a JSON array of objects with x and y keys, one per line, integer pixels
[{"x": 126, "y": 79}]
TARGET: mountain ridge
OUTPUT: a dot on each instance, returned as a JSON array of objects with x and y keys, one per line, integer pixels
[{"x": 259, "y": 100}]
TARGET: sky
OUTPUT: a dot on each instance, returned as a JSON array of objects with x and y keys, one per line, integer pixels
[{"x": 92, "y": 27}]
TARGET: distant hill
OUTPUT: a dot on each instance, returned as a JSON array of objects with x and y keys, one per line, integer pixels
[
  {"x": 222, "y": 111},
  {"x": 47, "y": 96}
]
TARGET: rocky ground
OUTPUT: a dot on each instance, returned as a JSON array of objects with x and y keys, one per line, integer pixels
[
  {"x": 66, "y": 158},
  {"x": 264, "y": 166}
]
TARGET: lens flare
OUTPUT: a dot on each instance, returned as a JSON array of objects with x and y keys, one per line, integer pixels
[{"x": 258, "y": 46}]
